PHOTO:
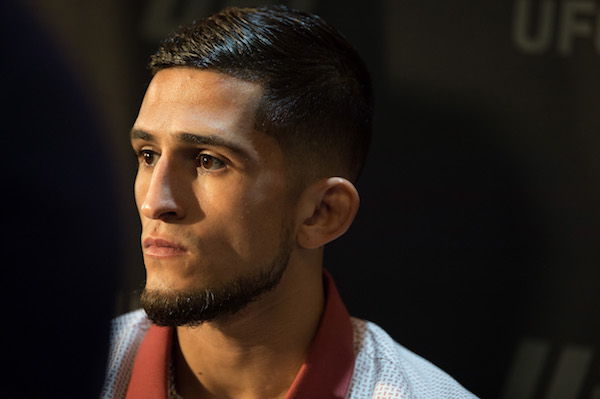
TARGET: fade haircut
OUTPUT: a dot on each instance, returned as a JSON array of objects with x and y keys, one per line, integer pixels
[{"x": 317, "y": 98}]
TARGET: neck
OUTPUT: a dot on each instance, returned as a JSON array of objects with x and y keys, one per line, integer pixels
[{"x": 258, "y": 352}]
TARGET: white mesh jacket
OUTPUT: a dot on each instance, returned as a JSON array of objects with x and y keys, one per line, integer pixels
[{"x": 383, "y": 369}]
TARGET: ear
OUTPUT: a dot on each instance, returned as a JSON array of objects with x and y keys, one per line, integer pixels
[{"x": 328, "y": 209}]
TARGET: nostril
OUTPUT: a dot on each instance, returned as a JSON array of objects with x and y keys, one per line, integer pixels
[
  {"x": 163, "y": 210},
  {"x": 171, "y": 215}
]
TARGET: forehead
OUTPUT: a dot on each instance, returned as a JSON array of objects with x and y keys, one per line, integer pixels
[{"x": 185, "y": 99}]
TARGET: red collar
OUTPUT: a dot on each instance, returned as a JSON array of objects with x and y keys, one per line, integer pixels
[{"x": 325, "y": 374}]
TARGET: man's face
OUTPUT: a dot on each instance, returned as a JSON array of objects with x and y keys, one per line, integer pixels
[{"x": 210, "y": 191}]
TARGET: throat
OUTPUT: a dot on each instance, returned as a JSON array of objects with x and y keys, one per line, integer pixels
[
  {"x": 255, "y": 354},
  {"x": 252, "y": 375}
]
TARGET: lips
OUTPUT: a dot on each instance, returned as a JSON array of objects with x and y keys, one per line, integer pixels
[{"x": 162, "y": 248}]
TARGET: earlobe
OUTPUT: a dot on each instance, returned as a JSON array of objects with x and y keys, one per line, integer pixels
[{"x": 330, "y": 207}]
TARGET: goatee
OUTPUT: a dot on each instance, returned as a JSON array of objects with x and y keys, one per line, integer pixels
[{"x": 197, "y": 306}]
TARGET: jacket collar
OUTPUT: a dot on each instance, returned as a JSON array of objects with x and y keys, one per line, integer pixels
[{"x": 325, "y": 374}]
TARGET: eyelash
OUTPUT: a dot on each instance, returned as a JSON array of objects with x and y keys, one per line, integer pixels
[
  {"x": 144, "y": 154},
  {"x": 202, "y": 157}
]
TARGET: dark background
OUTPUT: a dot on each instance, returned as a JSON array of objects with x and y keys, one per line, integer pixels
[{"x": 476, "y": 242}]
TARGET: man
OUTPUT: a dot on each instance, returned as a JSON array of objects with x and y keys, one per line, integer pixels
[{"x": 249, "y": 138}]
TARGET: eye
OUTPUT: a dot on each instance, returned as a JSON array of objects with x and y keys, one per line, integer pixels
[
  {"x": 148, "y": 157},
  {"x": 209, "y": 162}
]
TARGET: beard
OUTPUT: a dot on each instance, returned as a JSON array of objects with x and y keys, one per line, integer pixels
[{"x": 193, "y": 307}]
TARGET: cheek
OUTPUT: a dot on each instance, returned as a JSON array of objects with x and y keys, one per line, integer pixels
[
  {"x": 264, "y": 220},
  {"x": 253, "y": 217}
]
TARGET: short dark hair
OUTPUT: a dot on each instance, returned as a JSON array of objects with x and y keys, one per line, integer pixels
[{"x": 317, "y": 99}]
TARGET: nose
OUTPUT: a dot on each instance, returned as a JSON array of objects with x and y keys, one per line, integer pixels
[{"x": 162, "y": 199}]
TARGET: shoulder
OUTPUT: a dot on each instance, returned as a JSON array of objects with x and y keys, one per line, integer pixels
[
  {"x": 126, "y": 335},
  {"x": 385, "y": 369}
]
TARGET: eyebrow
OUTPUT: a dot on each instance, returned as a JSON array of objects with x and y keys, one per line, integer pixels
[{"x": 196, "y": 139}]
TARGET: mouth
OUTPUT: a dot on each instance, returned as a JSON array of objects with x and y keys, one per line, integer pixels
[{"x": 162, "y": 248}]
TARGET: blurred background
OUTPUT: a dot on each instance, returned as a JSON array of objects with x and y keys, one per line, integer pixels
[{"x": 476, "y": 245}]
